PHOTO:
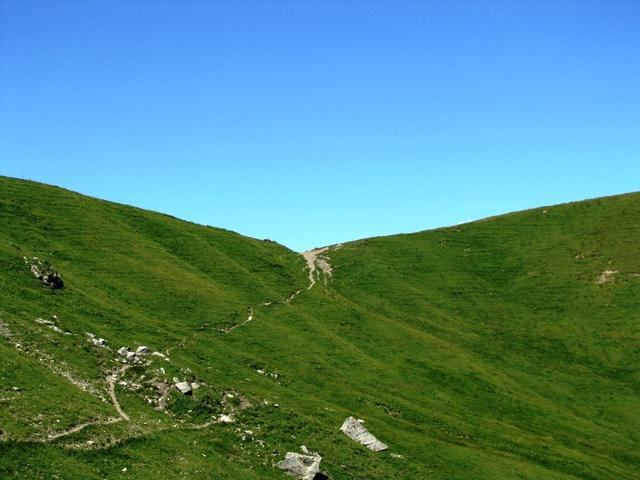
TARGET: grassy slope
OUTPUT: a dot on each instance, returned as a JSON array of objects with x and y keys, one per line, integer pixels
[{"x": 480, "y": 351}]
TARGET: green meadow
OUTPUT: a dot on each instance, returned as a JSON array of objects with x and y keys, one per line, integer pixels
[{"x": 507, "y": 348}]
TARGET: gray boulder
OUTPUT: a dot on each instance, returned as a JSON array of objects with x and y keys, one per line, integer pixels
[
  {"x": 354, "y": 429},
  {"x": 184, "y": 388},
  {"x": 303, "y": 467}
]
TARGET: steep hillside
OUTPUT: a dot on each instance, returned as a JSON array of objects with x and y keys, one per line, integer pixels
[{"x": 505, "y": 348}]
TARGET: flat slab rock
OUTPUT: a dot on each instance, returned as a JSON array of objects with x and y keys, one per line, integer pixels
[
  {"x": 303, "y": 467},
  {"x": 183, "y": 387},
  {"x": 354, "y": 429}
]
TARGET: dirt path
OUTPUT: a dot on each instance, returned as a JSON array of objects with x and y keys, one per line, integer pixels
[
  {"x": 182, "y": 344},
  {"x": 248, "y": 319},
  {"x": 317, "y": 261},
  {"x": 111, "y": 385},
  {"x": 82, "y": 426}
]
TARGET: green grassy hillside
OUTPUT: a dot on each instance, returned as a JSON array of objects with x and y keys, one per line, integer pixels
[{"x": 502, "y": 349}]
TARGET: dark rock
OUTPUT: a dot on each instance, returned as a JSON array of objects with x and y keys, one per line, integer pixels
[{"x": 53, "y": 280}]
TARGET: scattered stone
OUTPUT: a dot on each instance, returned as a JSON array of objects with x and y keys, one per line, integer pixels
[
  {"x": 606, "y": 277},
  {"x": 51, "y": 325},
  {"x": 45, "y": 273},
  {"x": 354, "y": 429},
  {"x": 184, "y": 388},
  {"x": 396, "y": 455},
  {"x": 142, "y": 350},
  {"x": 222, "y": 418},
  {"x": 244, "y": 402},
  {"x": 123, "y": 351},
  {"x": 96, "y": 341},
  {"x": 158, "y": 354},
  {"x": 304, "y": 449},
  {"x": 302, "y": 467},
  {"x": 195, "y": 385}
]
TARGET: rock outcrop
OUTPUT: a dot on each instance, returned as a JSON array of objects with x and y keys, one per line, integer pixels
[
  {"x": 354, "y": 429},
  {"x": 45, "y": 273},
  {"x": 137, "y": 355}
]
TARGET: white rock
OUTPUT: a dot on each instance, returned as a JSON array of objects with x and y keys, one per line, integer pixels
[
  {"x": 97, "y": 341},
  {"x": 51, "y": 325},
  {"x": 354, "y": 429},
  {"x": 123, "y": 351},
  {"x": 304, "y": 449},
  {"x": 184, "y": 388},
  {"x": 143, "y": 350},
  {"x": 222, "y": 418},
  {"x": 302, "y": 467}
]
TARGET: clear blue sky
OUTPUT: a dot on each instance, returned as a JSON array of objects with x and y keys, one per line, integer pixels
[{"x": 317, "y": 122}]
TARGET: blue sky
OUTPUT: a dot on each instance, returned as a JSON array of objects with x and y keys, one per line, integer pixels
[{"x": 318, "y": 122}]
